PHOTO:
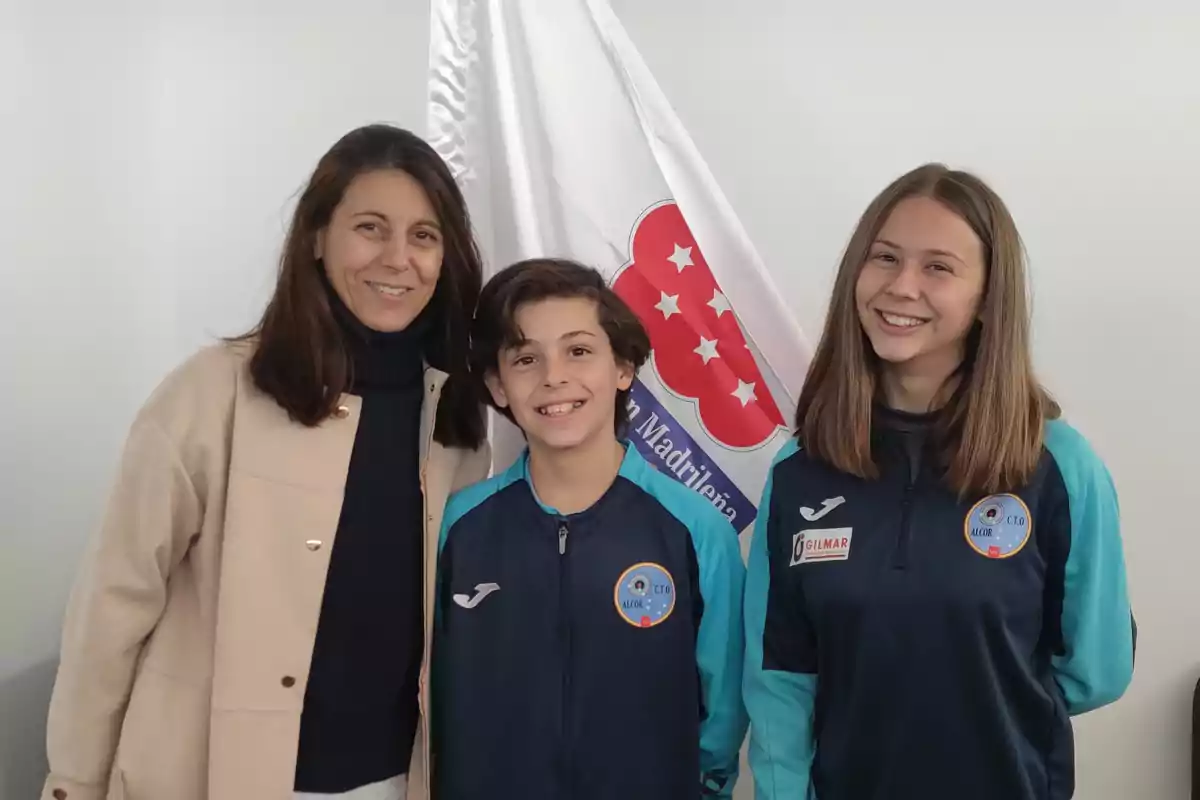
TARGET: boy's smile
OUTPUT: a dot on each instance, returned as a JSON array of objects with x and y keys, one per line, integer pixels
[
  {"x": 560, "y": 409},
  {"x": 561, "y": 381}
]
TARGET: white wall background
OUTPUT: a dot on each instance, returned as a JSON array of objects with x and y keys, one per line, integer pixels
[{"x": 149, "y": 153}]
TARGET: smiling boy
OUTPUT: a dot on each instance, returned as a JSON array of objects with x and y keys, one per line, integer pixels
[{"x": 589, "y": 640}]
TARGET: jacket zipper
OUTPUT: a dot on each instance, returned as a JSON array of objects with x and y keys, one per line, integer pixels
[
  {"x": 565, "y": 635},
  {"x": 900, "y": 560}
]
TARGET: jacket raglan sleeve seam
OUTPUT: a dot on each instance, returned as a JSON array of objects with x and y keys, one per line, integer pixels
[
  {"x": 722, "y": 576},
  {"x": 781, "y": 769},
  {"x": 1095, "y": 607}
]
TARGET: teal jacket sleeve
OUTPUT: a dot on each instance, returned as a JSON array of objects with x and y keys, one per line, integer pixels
[
  {"x": 780, "y": 676},
  {"x": 1095, "y": 664},
  {"x": 719, "y": 646}
]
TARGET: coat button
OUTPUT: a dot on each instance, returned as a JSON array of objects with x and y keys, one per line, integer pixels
[
  {"x": 313, "y": 544},
  {"x": 342, "y": 412},
  {"x": 60, "y": 794},
  {"x": 288, "y": 681}
]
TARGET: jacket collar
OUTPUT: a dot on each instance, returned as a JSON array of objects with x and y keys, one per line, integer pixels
[{"x": 633, "y": 467}]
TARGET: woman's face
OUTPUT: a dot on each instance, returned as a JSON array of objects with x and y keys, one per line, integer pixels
[{"x": 383, "y": 249}]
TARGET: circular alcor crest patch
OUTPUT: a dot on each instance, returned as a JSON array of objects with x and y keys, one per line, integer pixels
[
  {"x": 998, "y": 526},
  {"x": 645, "y": 595}
]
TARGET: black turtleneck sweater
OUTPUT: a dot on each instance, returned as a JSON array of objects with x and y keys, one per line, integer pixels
[{"x": 360, "y": 708}]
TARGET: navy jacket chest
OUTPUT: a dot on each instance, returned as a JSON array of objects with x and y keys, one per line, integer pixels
[
  {"x": 894, "y": 548},
  {"x": 611, "y": 570}
]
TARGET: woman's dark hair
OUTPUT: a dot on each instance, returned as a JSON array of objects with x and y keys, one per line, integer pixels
[
  {"x": 301, "y": 357},
  {"x": 495, "y": 328}
]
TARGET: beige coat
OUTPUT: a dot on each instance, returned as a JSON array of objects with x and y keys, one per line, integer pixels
[{"x": 189, "y": 633}]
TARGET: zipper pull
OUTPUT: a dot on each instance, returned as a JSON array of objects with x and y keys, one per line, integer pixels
[{"x": 562, "y": 539}]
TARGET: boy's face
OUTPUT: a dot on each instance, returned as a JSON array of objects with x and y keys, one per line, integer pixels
[{"x": 561, "y": 384}]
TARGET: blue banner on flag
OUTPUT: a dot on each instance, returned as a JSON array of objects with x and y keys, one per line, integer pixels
[{"x": 666, "y": 445}]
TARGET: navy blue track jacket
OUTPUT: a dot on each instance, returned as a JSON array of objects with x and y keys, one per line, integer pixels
[
  {"x": 596, "y": 655},
  {"x": 902, "y": 643}
]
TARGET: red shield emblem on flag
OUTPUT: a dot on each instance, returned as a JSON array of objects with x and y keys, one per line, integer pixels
[{"x": 699, "y": 349}]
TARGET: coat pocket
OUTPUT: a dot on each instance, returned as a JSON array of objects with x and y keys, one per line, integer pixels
[{"x": 164, "y": 741}]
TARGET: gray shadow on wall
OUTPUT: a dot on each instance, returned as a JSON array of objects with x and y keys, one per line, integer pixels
[{"x": 24, "y": 698}]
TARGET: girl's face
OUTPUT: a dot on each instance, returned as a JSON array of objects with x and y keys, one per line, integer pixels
[{"x": 920, "y": 290}]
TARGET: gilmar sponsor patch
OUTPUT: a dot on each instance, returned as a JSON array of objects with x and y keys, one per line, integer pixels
[{"x": 814, "y": 545}]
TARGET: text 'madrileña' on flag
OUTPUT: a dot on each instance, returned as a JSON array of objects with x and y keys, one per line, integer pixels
[{"x": 565, "y": 146}]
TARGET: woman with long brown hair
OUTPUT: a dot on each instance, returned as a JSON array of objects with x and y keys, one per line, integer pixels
[
  {"x": 253, "y": 619},
  {"x": 936, "y": 579}
]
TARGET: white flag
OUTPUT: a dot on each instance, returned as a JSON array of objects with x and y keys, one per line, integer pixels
[{"x": 565, "y": 146}]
